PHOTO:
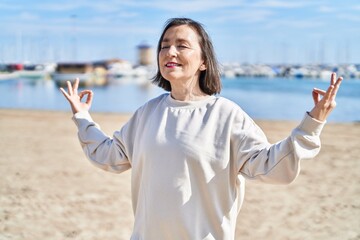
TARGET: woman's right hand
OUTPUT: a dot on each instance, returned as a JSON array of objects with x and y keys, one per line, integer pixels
[{"x": 74, "y": 97}]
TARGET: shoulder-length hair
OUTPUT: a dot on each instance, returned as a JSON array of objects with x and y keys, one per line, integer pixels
[{"x": 209, "y": 79}]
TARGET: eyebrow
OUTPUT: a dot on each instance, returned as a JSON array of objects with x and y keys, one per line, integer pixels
[{"x": 165, "y": 40}]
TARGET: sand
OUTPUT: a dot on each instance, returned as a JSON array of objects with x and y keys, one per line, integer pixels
[{"x": 49, "y": 190}]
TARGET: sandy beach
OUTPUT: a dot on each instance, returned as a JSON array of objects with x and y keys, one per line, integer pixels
[{"x": 49, "y": 190}]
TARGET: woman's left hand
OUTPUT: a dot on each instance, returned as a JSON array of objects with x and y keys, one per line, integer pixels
[{"x": 324, "y": 105}]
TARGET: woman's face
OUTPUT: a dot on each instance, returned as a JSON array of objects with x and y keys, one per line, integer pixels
[{"x": 180, "y": 57}]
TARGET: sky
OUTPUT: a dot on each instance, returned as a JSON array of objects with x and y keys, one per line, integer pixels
[{"x": 243, "y": 31}]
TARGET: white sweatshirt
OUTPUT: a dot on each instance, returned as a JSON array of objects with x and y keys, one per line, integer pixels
[{"x": 189, "y": 162}]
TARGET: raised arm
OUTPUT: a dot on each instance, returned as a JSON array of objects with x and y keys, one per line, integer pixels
[
  {"x": 75, "y": 98},
  {"x": 280, "y": 162},
  {"x": 104, "y": 152}
]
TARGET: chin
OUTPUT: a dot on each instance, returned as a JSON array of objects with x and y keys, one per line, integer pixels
[{"x": 170, "y": 77}]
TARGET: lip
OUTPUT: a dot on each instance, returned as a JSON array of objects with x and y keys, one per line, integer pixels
[{"x": 172, "y": 65}]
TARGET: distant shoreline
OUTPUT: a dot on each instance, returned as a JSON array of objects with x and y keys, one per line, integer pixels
[{"x": 261, "y": 98}]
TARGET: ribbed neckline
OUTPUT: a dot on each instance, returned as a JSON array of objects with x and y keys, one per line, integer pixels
[{"x": 188, "y": 104}]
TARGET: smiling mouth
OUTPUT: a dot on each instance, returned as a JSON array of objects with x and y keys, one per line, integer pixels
[{"x": 172, "y": 64}]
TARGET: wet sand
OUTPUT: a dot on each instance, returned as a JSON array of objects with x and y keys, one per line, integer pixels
[{"x": 49, "y": 190}]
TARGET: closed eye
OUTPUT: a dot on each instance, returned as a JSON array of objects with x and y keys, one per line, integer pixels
[{"x": 183, "y": 46}]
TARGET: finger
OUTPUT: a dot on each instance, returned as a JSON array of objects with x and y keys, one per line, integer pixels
[
  {"x": 89, "y": 98},
  {"x": 338, "y": 83},
  {"x": 82, "y": 94},
  {"x": 76, "y": 86},
  {"x": 85, "y": 92},
  {"x": 336, "y": 88},
  {"x": 65, "y": 93},
  {"x": 70, "y": 90},
  {"x": 339, "y": 80},
  {"x": 333, "y": 78},
  {"x": 316, "y": 96},
  {"x": 319, "y": 91},
  {"x": 329, "y": 93}
]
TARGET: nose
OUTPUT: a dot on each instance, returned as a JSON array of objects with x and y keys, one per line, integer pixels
[{"x": 172, "y": 52}]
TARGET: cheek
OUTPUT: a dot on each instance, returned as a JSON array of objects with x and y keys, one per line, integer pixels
[
  {"x": 194, "y": 56},
  {"x": 160, "y": 56}
]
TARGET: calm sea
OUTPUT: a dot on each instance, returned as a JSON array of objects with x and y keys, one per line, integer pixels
[{"x": 261, "y": 98}]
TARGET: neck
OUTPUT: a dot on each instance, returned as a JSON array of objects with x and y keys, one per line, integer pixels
[
  {"x": 187, "y": 96},
  {"x": 187, "y": 91}
]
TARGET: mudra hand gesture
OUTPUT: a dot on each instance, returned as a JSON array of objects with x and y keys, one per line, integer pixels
[
  {"x": 74, "y": 97},
  {"x": 326, "y": 104}
]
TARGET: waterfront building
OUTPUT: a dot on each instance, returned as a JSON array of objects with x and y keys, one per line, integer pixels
[{"x": 145, "y": 54}]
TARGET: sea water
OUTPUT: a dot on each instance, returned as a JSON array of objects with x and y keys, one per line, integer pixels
[{"x": 261, "y": 98}]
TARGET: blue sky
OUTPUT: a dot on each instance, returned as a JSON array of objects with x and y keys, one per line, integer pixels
[{"x": 258, "y": 31}]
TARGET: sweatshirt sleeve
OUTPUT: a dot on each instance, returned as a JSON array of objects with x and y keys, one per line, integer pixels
[
  {"x": 107, "y": 153},
  {"x": 277, "y": 163}
]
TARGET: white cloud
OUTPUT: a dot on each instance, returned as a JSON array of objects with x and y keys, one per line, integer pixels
[
  {"x": 92, "y": 27},
  {"x": 357, "y": 7},
  {"x": 279, "y": 4},
  {"x": 186, "y": 6},
  {"x": 26, "y": 16},
  {"x": 70, "y": 6},
  {"x": 245, "y": 16},
  {"x": 10, "y": 6},
  {"x": 302, "y": 24},
  {"x": 350, "y": 17},
  {"x": 326, "y": 9}
]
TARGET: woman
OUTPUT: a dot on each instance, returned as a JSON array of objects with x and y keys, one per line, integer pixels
[{"x": 190, "y": 151}]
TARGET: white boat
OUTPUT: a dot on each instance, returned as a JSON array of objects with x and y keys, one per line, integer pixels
[
  {"x": 8, "y": 75},
  {"x": 119, "y": 71},
  {"x": 124, "y": 73},
  {"x": 33, "y": 74},
  {"x": 37, "y": 71}
]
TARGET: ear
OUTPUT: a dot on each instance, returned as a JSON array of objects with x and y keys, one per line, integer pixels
[{"x": 202, "y": 67}]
